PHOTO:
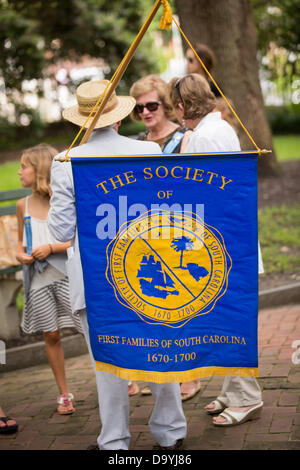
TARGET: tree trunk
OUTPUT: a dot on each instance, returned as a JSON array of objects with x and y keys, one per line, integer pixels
[{"x": 227, "y": 27}]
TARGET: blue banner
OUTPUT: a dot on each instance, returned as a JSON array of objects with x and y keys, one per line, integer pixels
[
  {"x": 28, "y": 234},
  {"x": 169, "y": 252}
]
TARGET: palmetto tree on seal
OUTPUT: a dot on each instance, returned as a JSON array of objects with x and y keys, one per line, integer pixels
[{"x": 182, "y": 244}]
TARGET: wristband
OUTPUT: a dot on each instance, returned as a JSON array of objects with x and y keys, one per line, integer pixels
[{"x": 50, "y": 246}]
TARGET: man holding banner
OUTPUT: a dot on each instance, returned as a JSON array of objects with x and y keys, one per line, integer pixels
[
  {"x": 241, "y": 398},
  {"x": 167, "y": 422}
]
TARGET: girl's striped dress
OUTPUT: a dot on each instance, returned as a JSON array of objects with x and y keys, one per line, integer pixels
[{"x": 47, "y": 306}]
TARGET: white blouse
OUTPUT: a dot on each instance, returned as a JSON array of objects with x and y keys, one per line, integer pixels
[{"x": 41, "y": 235}]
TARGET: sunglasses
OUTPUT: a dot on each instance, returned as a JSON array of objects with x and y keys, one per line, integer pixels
[{"x": 151, "y": 106}]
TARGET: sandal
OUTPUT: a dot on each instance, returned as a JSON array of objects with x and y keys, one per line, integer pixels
[
  {"x": 187, "y": 396},
  {"x": 146, "y": 390},
  {"x": 8, "y": 429},
  {"x": 65, "y": 404},
  {"x": 220, "y": 403},
  {"x": 238, "y": 417},
  {"x": 133, "y": 389}
]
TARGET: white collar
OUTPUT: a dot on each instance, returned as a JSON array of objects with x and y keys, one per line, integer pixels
[
  {"x": 210, "y": 117},
  {"x": 97, "y": 132}
]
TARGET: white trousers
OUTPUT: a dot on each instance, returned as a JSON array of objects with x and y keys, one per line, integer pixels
[
  {"x": 242, "y": 391},
  {"x": 167, "y": 422}
]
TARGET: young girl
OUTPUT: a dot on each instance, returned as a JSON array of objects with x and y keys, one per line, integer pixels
[{"x": 46, "y": 292}]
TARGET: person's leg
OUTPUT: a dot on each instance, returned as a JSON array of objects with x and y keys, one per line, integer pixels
[
  {"x": 113, "y": 403},
  {"x": 114, "y": 412},
  {"x": 167, "y": 422},
  {"x": 222, "y": 400},
  {"x": 243, "y": 394},
  {"x": 242, "y": 391},
  {"x": 56, "y": 360}
]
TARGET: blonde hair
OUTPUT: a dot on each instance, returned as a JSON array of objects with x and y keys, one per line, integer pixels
[
  {"x": 148, "y": 84},
  {"x": 194, "y": 93},
  {"x": 40, "y": 158}
]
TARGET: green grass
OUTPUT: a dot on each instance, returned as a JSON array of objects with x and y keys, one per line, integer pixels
[
  {"x": 279, "y": 227},
  {"x": 287, "y": 147},
  {"x": 20, "y": 301},
  {"x": 9, "y": 178},
  {"x": 279, "y": 235}
]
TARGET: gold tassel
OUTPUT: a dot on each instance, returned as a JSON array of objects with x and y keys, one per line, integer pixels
[
  {"x": 166, "y": 19},
  {"x": 183, "y": 376}
]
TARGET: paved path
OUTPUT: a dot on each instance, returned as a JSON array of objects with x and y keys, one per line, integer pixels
[{"x": 29, "y": 396}]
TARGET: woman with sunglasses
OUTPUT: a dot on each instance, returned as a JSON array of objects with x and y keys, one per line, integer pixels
[{"x": 153, "y": 107}]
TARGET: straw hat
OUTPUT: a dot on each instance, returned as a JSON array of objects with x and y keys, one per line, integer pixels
[{"x": 87, "y": 94}]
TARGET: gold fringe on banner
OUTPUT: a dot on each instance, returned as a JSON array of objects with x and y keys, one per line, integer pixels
[
  {"x": 178, "y": 376},
  {"x": 166, "y": 19}
]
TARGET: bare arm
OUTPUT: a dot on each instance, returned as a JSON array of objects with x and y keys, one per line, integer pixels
[
  {"x": 39, "y": 252},
  {"x": 21, "y": 254},
  {"x": 42, "y": 251},
  {"x": 185, "y": 140}
]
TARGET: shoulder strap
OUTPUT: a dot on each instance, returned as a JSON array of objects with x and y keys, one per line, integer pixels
[{"x": 26, "y": 206}]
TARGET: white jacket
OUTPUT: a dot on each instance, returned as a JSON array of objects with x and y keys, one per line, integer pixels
[
  {"x": 213, "y": 134},
  {"x": 62, "y": 214}
]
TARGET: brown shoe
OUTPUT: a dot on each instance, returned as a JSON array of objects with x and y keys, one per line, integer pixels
[{"x": 93, "y": 447}]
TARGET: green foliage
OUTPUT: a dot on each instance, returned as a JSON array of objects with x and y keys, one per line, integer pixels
[
  {"x": 279, "y": 234},
  {"x": 278, "y": 22},
  {"x": 284, "y": 119},
  {"x": 15, "y": 136},
  {"x": 131, "y": 128},
  {"x": 97, "y": 28},
  {"x": 278, "y": 33},
  {"x": 22, "y": 55},
  {"x": 38, "y": 33}
]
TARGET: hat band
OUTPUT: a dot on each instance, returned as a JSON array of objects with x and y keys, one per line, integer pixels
[{"x": 86, "y": 108}]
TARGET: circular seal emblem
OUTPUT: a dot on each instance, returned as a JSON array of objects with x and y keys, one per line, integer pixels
[{"x": 168, "y": 267}]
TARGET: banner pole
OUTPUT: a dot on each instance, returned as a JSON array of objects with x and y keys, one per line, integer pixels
[{"x": 121, "y": 70}]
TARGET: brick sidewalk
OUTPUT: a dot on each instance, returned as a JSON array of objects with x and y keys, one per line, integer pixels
[{"x": 29, "y": 396}]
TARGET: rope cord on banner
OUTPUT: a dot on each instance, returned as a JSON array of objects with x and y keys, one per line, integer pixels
[
  {"x": 216, "y": 85},
  {"x": 165, "y": 23}
]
